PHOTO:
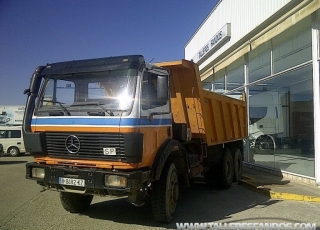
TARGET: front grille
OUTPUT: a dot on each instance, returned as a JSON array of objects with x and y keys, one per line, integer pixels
[{"x": 91, "y": 145}]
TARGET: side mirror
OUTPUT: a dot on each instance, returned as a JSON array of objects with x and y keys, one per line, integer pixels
[
  {"x": 26, "y": 91},
  {"x": 162, "y": 88}
]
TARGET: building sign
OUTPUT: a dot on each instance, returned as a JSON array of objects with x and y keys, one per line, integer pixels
[{"x": 221, "y": 36}]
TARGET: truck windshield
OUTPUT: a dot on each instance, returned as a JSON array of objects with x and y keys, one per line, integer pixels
[{"x": 73, "y": 93}]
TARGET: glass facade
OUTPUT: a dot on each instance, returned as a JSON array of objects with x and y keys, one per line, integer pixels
[
  {"x": 281, "y": 122},
  {"x": 259, "y": 65},
  {"x": 235, "y": 76},
  {"x": 280, "y": 96},
  {"x": 219, "y": 84},
  {"x": 292, "y": 52}
]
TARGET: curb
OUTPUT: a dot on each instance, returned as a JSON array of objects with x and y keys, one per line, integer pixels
[{"x": 277, "y": 195}]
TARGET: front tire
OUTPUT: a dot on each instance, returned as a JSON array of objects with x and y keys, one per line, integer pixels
[
  {"x": 14, "y": 151},
  {"x": 265, "y": 144},
  {"x": 74, "y": 202},
  {"x": 165, "y": 193}
]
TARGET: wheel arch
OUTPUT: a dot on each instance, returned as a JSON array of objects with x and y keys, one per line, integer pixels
[
  {"x": 12, "y": 146},
  {"x": 236, "y": 145},
  {"x": 173, "y": 151}
]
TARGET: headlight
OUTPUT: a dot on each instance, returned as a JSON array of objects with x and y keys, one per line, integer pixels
[
  {"x": 38, "y": 173},
  {"x": 115, "y": 181}
]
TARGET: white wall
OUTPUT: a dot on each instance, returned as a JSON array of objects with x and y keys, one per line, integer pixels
[{"x": 244, "y": 16}]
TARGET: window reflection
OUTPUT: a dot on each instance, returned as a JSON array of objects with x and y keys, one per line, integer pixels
[
  {"x": 219, "y": 82},
  {"x": 235, "y": 75},
  {"x": 259, "y": 63},
  {"x": 281, "y": 122}
]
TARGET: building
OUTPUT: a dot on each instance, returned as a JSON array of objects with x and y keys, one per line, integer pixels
[
  {"x": 270, "y": 50},
  {"x": 11, "y": 114}
]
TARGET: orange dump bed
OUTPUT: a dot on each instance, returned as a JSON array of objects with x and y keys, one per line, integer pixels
[{"x": 213, "y": 117}]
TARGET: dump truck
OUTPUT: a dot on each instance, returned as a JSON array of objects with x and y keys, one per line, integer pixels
[{"x": 119, "y": 126}]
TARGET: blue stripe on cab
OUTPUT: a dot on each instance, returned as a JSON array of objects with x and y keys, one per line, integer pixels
[{"x": 99, "y": 121}]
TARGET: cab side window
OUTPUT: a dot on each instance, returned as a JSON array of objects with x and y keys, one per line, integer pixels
[{"x": 149, "y": 91}]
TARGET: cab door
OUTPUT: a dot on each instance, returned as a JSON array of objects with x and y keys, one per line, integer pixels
[{"x": 155, "y": 114}]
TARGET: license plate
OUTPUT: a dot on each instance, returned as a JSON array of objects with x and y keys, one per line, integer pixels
[
  {"x": 109, "y": 151},
  {"x": 71, "y": 181}
]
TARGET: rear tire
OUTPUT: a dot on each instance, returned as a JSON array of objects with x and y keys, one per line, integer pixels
[
  {"x": 227, "y": 172},
  {"x": 238, "y": 165},
  {"x": 221, "y": 174},
  {"x": 14, "y": 151},
  {"x": 74, "y": 202},
  {"x": 165, "y": 193}
]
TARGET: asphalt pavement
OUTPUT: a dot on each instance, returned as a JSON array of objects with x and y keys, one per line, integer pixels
[{"x": 26, "y": 206}]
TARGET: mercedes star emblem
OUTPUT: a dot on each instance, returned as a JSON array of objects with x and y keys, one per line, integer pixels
[{"x": 72, "y": 144}]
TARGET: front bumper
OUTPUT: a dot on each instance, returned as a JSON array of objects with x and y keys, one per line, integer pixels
[{"x": 94, "y": 179}]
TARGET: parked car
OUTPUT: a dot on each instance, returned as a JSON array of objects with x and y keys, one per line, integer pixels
[{"x": 12, "y": 140}]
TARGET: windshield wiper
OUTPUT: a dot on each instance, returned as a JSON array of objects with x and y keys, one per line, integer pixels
[
  {"x": 93, "y": 103},
  {"x": 117, "y": 110},
  {"x": 62, "y": 107}
]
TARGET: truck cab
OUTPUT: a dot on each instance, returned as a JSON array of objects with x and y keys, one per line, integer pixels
[{"x": 109, "y": 107}]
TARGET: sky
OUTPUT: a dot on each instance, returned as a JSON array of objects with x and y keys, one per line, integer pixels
[{"x": 37, "y": 32}]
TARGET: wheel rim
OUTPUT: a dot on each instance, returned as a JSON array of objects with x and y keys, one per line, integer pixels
[
  {"x": 228, "y": 169},
  {"x": 13, "y": 152},
  {"x": 264, "y": 146}
]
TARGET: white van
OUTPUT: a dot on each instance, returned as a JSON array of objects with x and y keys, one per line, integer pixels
[{"x": 12, "y": 140}]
